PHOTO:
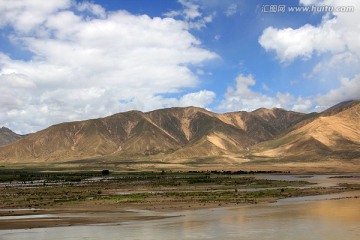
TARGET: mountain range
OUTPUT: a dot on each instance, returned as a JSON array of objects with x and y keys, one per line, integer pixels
[{"x": 191, "y": 132}]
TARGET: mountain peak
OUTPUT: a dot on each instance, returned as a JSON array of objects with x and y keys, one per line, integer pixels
[
  {"x": 5, "y": 129},
  {"x": 188, "y": 108},
  {"x": 8, "y": 136}
]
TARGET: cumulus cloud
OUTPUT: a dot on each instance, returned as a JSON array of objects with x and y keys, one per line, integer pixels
[
  {"x": 191, "y": 10},
  {"x": 348, "y": 90},
  {"x": 338, "y": 32},
  {"x": 25, "y": 15},
  {"x": 335, "y": 67},
  {"x": 291, "y": 43},
  {"x": 191, "y": 14},
  {"x": 336, "y": 40},
  {"x": 86, "y": 62},
  {"x": 95, "y": 9},
  {"x": 302, "y": 105},
  {"x": 200, "y": 99},
  {"x": 242, "y": 97}
]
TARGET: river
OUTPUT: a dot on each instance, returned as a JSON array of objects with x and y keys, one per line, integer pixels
[{"x": 335, "y": 216}]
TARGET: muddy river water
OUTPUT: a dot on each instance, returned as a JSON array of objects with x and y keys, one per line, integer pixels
[{"x": 335, "y": 216}]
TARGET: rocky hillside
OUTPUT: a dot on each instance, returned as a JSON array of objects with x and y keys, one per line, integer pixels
[
  {"x": 182, "y": 132},
  {"x": 176, "y": 133},
  {"x": 7, "y": 136},
  {"x": 335, "y": 133}
]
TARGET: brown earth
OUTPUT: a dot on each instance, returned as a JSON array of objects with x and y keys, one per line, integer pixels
[{"x": 193, "y": 137}]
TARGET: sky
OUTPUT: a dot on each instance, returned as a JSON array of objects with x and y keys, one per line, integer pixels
[{"x": 70, "y": 60}]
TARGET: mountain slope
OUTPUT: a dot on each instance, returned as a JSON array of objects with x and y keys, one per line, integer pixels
[
  {"x": 7, "y": 136},
  {"x": 179, "y": 132},
  {"x": 263, "y": 124},
  {"x": 334, "y": 133},
  {"x": 185, "y": 133}
]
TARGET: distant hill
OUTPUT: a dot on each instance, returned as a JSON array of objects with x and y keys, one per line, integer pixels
[
  {"x": 333, "y": 134},
  {"x": 7, "y": 136},
  {"x": 190, "y": 132}
]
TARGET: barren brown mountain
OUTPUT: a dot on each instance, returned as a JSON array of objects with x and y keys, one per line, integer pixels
[
  {"x": 176, "y": 133},
  {"x": 182, "y": 132},
  {"x": 7, "y": 136},
  {"x": 333, "y": 134}
]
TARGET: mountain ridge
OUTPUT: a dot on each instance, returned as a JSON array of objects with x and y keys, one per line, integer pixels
[
  {"x": 7, "y": 136},
  {"x": 332, "y": 133},
  {"x": 189, "y": 132}
]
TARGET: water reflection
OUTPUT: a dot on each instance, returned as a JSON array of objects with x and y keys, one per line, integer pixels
[
  {"x": 330, "y": 219},
  {"x": 312, "y": 217}
]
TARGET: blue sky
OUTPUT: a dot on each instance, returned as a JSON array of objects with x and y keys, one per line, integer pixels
[{"x": 74, "y": 60}]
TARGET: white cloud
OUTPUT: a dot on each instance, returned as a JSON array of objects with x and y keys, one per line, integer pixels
[
  {"x": 335, "y": 41},
  {"x": 231, "y": 10},
  {"x": 14, "y": 80},
  {"x": 26, "y": 15},
  {"x": 191, "y": 14},
  {"x": 302, "y": 105},
  {"x": 191, "y": 10},
  {"x": 284, "y": 98},
  {"x": 199, "y": 99},
  {"x": 265, "y": 87},
  {"x": 200, "y": 72},
  {"x": 338, "y": 32},
  {"x": 349, "y": 90},
  {"x": 242, "y": 97},
  {"x": 335, "y": 67},
  {"x": 172, "y": 14},
  {"x": 291, "y": 43},
  {"x": 95, "y": 9},
  {"x": 85, "y": 66}
]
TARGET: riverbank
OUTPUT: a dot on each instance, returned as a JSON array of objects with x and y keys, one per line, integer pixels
[
  {"x": 55, "y": 199},
  {"x": 322, "y": 217},
  {"x": 89, "y": 213}
]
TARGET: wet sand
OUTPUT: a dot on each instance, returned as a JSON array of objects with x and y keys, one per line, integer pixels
[
  {"x": 59, "y": 221},
  {"x": 84, "y": 214},
  {"x": 100, "y": 214}
]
